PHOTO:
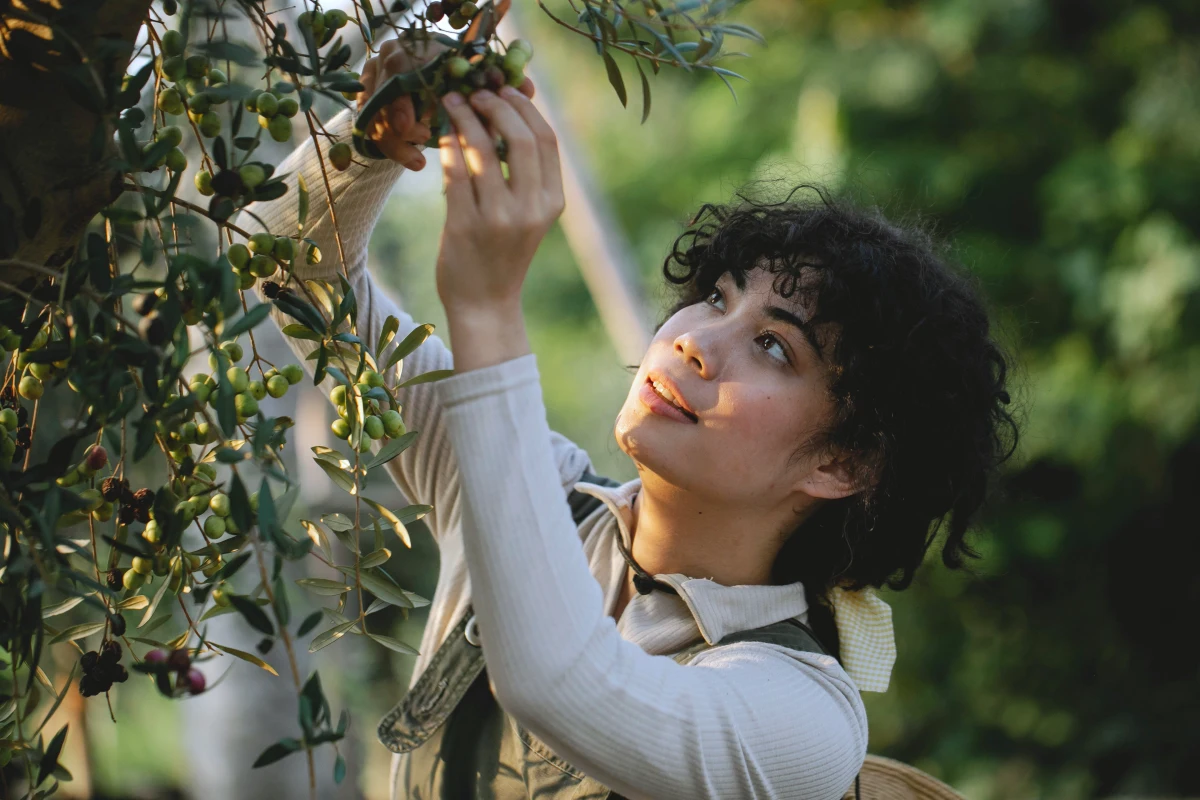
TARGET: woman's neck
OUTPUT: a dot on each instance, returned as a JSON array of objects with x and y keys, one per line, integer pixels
[{"x": 673, "y": 533}]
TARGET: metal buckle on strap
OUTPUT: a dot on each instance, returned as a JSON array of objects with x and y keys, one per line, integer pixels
[{"x": 471, "y": 634}]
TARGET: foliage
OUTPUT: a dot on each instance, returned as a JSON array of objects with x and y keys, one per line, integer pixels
[{"x": 103, "y": 343}]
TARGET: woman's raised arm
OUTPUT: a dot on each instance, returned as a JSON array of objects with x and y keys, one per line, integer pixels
[{"x": 427, "y": 471}]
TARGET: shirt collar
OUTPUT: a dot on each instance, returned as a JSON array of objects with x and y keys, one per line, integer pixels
[{"x": 717, "y": 609}]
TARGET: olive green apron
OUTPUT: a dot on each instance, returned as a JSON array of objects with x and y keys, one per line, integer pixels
[{"x": 460, "y": 744}]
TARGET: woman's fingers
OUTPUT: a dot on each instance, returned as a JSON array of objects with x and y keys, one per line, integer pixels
[
  {"x": 478, "y": 151},
  {"x": 461, "y": 204},
  {"x": 546, "y": 144},
  {"x": 524, "y": 170},
  {"x": 367, "y": 79},
  {"x": 402, "y": 152}
]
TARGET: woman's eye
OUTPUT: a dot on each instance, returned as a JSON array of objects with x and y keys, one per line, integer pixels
[{"x": 765, "y": 335}]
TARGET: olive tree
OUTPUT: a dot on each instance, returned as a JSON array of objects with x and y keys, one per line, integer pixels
[{"x": 103, "y": 295}]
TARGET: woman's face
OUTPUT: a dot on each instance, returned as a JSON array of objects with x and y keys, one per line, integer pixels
[{"x": 758, "y": 389}]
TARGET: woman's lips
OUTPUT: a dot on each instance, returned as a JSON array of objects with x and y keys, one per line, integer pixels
[{"x": 660, "y": 406}]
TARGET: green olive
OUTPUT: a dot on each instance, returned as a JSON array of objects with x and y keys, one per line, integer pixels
[
  {"x": 280, "y": 128},
  {"x": 172, "y": 43},
  {"x": 171, "y": 102},
  {"x": 214, "y": 527},
  {"x": 174, "y": 68},
  {"x": 210, "y": 124},
  {"x": 515, "y": 60},
  {"x": 238, "y": 255},
  {"x": 257, "y": 390},
  {"x": 458, "y": 67},
  {"x": 176, "y": 160},
  {"x": 200, "y": 103},
  {"x": 216, "y": 76},
  {"x": 196, "y": 66},
  {"x": 340, "y": 428},
  {"x": 261, "y": 243},
  {"x": 393, "y": 423},
  {"x": 293, "y": 372},
  {"x": 246, "y": 405},
  {"x": 204, "y": 183},
  {"x": 234, "y": 350},
  {"x": 238, "y": 379},
  {"x": 373, "y": 427},
  {"x": 341, "y": 156},
  {"x": 201, "y": 393},
  {"x": 289, "y": 107},
  {"x": 285, "y": 248},
  {"x": 277, "y": 386},
  {"x": 30, "y": 388},
  {"x": 143, "y": 565},
  {"x": 263, "y": 266},
  {"x": 252, "y": 175},
  {"x": 267, "y": 105},
  {"x": 247, "y": 280},
  {"x": 169, "y": 133}
]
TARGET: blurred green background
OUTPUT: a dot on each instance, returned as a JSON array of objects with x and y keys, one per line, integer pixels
[{"x": 1056, "y": 145}]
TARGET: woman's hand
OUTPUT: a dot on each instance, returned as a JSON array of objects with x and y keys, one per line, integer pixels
[
  {"x": 396, "y": 129},
  {"x": 494, "y": 226}
]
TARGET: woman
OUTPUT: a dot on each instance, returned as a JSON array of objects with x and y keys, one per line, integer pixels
[{"x": 824, "y": 393}]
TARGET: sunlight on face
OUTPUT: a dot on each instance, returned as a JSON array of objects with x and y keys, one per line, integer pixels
[{"x": 756, "y": 384}]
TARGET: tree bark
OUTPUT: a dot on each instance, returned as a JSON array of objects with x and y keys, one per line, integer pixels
[{"x": 50, "y": 185}]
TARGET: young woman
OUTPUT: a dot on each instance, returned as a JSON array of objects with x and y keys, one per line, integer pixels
[{"x": 823, "y": 395}]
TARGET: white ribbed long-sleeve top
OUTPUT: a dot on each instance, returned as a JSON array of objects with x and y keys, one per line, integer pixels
[{"x": 747, "y": 720}]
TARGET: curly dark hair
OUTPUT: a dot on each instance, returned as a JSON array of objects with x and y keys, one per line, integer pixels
[{"x": 917, "y": 380}]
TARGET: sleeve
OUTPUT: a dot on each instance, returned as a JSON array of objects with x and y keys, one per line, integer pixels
[
  {"x": 745, "y": 720},
  {"x": 426, "y": 472}
]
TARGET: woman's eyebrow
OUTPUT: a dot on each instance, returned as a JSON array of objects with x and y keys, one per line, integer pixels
[{"x": 783, "y": 315}]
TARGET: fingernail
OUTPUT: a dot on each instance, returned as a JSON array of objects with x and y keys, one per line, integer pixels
[{"x": 453, "y": 99}]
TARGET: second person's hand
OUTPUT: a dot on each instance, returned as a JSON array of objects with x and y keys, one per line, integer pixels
[{"x": 493, "y": 225}]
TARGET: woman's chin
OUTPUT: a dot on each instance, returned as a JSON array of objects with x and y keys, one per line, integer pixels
[{"x": 643, "y": 437}]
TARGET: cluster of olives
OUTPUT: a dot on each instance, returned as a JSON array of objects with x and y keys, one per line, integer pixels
[
  {"x": 191, "y": 77},
  {"x": 458, "y": 12},
  {"x": 31, "y": 385},
  {"x": 376, "y": 424},
  {"x": 15, "y": 434},
  {"x": 322, "y": 23},
  {"x": 480, "y": 67},
  {"x": 188, "y": 678},
  {"x": 262, "y": 256},
  {"x": 101, "y": 670}
]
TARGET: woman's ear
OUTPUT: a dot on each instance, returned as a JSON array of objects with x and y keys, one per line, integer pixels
[{"x": 836, "y": 476}]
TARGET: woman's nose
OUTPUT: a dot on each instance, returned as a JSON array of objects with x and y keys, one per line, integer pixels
[{"x": 697, "y": 349}]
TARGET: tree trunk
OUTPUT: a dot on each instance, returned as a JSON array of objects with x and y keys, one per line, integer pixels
[{"x": 50, "y": 185}]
